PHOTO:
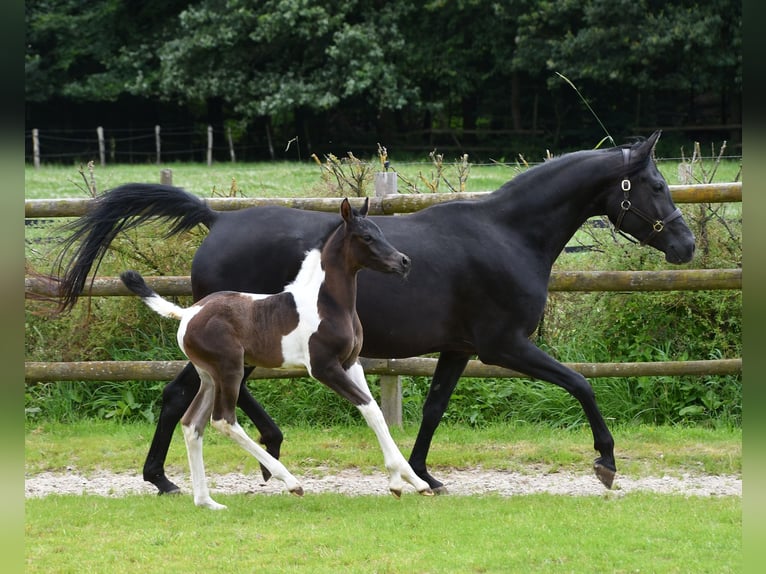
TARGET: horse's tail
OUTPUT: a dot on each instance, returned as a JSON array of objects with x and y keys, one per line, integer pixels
[
  {"x": 120, "y": 209},
  {"x": 136, "y": 283}
]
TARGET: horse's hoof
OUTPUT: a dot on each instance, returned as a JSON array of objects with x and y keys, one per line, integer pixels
[
  {"x": 426, "y": 492},
  {"x": 164, "y": 486},
  {"x": 173, "y": 491},
  {"x": 396, "y": 492},
  {"x": 297, "y": 491},
  {"x": 440, "y": 490},
  {"x": 604, "y": 474}
]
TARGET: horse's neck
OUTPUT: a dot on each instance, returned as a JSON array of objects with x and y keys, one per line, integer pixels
[
  {"x": 551, "y": 202},
  {"x": 339, "y": 275}
]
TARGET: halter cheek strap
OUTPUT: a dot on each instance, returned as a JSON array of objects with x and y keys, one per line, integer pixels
[{"x": 657, "y": 224}]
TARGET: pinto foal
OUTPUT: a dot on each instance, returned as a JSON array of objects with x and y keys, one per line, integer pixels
[{"x": 312, "y": 323}]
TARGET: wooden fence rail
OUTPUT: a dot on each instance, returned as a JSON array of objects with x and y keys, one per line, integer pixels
[
  {"x": 418, "y": 366},
  {"x": 666, "y": 280},
  {"x": 386, "y": 205}
]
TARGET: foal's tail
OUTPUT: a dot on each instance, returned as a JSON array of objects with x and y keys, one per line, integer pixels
[
  {"x": 136, "y": 283},
  {"x": 120, "y": 209}
]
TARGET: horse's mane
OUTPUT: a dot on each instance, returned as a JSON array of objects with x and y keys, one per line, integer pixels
[{"x": 555, "y": 164}]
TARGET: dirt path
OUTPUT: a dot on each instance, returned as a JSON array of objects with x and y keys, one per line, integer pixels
[{"x": 350, "y": 482}]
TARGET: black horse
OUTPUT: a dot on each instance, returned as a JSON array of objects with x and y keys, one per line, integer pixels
[{"x": 478, "y": 285}]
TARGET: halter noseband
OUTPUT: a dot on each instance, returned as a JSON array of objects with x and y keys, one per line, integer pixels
[{"x": 625, "y": 205}]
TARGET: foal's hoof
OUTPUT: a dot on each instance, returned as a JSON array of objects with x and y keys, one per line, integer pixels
[
  {"x": 440, "y": 490},
  {"x": 397, "y": 492},
  {"x": 426, "y": 492},
  {"x": 297, "y": 491},
  {"x": 604, "y": 474}
]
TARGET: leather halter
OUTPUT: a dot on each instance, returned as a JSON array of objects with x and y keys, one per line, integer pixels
[{"x": 626, "y": 205}]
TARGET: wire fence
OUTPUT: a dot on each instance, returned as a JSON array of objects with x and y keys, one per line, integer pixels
[{"x": 198, "y": 143}]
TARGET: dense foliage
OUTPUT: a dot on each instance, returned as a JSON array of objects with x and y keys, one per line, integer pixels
[{"x": 363, "y": 71}]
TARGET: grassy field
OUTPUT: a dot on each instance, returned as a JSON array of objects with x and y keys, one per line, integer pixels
[
  {"x": 291, "y": 179},
  {"x": 642, "y": 450},
  {"x": 636, "y": 532},
  {"x": 332, "y": 533}
]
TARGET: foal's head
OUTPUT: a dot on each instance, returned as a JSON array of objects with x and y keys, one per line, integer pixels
[{"x": 364, "y": 244}]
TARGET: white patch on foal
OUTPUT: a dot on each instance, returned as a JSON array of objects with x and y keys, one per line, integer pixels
[{"x": 305, "y": 292}]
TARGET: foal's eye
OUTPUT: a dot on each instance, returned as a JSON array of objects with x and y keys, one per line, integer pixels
[{"x": 367, "y": 238}]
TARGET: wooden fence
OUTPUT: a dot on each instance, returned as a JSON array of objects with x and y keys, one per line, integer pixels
[{"x": 391, "y": 369}]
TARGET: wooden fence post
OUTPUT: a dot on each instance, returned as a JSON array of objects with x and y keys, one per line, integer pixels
[
  {"x": 36, "y": 147},
  {"x": 157, "y": 142},
  {"x": 390, "y": 385},
  {"x": 101, "y": 147},
  {"x": 166, "y": 176},
  {"x": 231, "y": 145},
  {"x": 385, "y": 183},
  {"x": 210, "y": 145}
]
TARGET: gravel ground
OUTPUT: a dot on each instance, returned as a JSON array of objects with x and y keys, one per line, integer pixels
[{"x": 353, "y": 483}]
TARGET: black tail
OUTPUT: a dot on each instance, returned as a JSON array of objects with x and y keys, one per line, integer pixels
[
  {"x": 120, "y": 209},
  {"x": 134, "y": 282}
]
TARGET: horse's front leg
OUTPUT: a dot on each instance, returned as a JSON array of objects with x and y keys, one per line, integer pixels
[
  {"x": 448, "y": 370},
  {"x": 524, "y": 356},
  {"x": 352, "y": 385}
]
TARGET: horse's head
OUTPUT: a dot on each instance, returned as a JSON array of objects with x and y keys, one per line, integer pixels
[
  {"x": 641, "y": 205},
  {"x": 367, "y": 246}
]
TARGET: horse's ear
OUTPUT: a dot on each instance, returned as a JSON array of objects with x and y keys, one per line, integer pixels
[
  {"x": 647, "y": 147},
  {"x": 365, "y": 207},
  {"x": 345, "y": 210}
]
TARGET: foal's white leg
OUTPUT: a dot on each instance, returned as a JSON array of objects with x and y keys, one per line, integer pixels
[
  {"x": 397, "y": 466},
  {"x": 277, "y": 469},
  {"x": 197, "y": 467},
  {"x": 198, "y": 415}
]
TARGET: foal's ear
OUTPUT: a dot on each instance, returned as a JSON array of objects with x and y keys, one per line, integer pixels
[
  {"x": 365, "y": 207},
  {"x": 345, "y": 210}
]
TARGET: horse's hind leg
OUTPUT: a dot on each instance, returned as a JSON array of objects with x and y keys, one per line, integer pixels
[
  {"x": 193, "y": 425},
  {"x": 176, "y": 398},
  {"x": 271, "y": 436},
  {"x": 224, "y": 419},
  {"x": 274, "y": 467},
  {"x": 527, "y": 358}
]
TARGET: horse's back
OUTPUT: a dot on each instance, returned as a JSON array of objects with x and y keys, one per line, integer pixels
[{"x": 258, "y": 249}]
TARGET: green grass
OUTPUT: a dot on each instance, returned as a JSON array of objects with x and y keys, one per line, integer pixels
[
  {"x": 334, "y": 533},
  {"x": 273, "y": 179},
  {"x": 641, "y": 450},
  {"x": 636, "y": 532}
]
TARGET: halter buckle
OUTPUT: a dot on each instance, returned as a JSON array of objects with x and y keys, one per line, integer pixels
[
  {"x": 625, "y": 204},
  {"x": 658, "y": 226},
  {"x": 625, "y": 185}
]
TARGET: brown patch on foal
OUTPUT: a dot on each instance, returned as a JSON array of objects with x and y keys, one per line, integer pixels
[{"x": 231, "y": 320}]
